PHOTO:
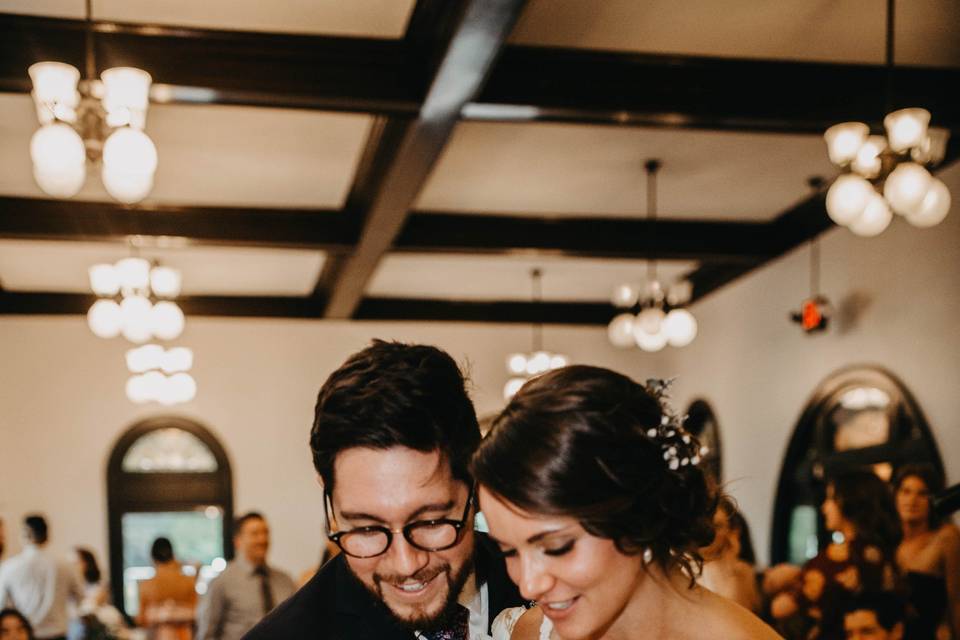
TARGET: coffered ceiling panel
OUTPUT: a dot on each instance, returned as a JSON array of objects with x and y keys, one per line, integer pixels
[
  {"x": 62, "y": 267},
  {"x": 554, "y": 169},
  {"x": 217, "y": 154},
  {"x": 368, "y": 18},
  {"x": 816, "y": 30},
  {"x": 471, "y": 277}
]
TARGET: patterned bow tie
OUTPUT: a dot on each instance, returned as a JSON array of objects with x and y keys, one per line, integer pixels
[{"x": 459, "y": 628}]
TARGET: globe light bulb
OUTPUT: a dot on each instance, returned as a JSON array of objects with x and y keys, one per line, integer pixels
[
  {"x": 105, "y": 319},
  {"x": 138, "y": 390},
  {"x": 59, "y": 159},
  {"x": 165, "y": 282},
  {"x": 934, "y": 208},
  {"x": 906, "y": 128},
  {"x": 625, "y": 295},
  {"x": 620, "y": 331},
  {"x": 558, "y": 361},
  {"x": 64, "y": 183},
  {"x": 133, "y": 274},
  {"x": 130, "y": 151},
  {"x": 844, "y": 140},
  {"x": 135, "y": 311},
  {"x": 145, "y": 358},
  {"x": 875, "y": 218},
  {"x": 847, "y": 198},
  {"x": 868, "y": 163},
  {"x": 104, "y": 279},
  {"x": 166, "y": 320},
  {"x": 126, "y": 92},
  {"x": 513, "y": 385},
  {"x": 128, "y": 188},
  {"x": 538, "y": 363},
  {"x": 906, "y": 187},
  {"x": 55, "y": 83},
  {"x": 650, "y": 320},
  {"x": 176, "y": 359},
  {"x": 649, "y": 341},
  {"x": 517, "y": 363},
  {"x": 680, "y": 327}
]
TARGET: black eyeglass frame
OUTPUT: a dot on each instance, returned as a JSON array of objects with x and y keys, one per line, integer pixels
[{"x": 458, "y": 525}]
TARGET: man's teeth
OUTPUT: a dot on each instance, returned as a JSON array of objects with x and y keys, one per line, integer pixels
[
  {"x": 560, "y": 606},
  {"x": 412, "y": 586}
]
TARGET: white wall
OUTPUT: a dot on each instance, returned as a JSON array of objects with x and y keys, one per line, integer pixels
[{"x": 62, "y": 405}]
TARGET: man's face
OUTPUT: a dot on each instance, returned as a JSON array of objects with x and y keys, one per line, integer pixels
[
  {"x": 392, "y": 488},
  {"x": 253, "y": 540},
  {"x": 863, "y": 625}
]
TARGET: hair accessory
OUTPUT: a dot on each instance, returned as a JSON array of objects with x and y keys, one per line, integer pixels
[
  {"x": 647, "y": 555},
  {"x": 680, "y": 449}
]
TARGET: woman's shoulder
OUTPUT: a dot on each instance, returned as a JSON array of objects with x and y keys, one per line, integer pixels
[
  {"x": 518, "y": 624},
  {"x": 949, "y": 534},
  {"x": 727, "y": 619}
]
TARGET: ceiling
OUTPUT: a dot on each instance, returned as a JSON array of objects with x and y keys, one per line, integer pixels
[{"x": 371, "y": 160}]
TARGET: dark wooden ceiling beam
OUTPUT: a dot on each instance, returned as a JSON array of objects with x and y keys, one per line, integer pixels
[{"x": 470, "y": 54}]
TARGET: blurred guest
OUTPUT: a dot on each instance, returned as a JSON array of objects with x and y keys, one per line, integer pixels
[
  {"x": 724, "y": 572},
  {"x": 3, "y": 538},
  {"x": 873, "y": 616},
  {"x": 929, "y": 556},
  {"x": 13, "y": 626},
  {"x": 247, "y": 589},
  {"x": 94, "y": 593},
  {"x": 860, "y": 512},
  {"x": 168, "y": 600},
  {"x": 38, "y": 585}
]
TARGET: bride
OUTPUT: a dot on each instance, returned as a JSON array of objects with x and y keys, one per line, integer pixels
[{"x": 591, "y": 489}]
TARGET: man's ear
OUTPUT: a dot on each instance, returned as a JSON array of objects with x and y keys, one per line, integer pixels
[{"x": 897, "y": 632}]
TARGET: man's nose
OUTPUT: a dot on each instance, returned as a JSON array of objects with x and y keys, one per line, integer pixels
[{"x": 407, "y": 559}]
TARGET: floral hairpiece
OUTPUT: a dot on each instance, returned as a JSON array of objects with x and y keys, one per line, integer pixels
[{"x": 679, "y": 447}]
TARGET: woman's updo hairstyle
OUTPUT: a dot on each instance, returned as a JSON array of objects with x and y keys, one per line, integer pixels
[{"x": 594, "y": 445}]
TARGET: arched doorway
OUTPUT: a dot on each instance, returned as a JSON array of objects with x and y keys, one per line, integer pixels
[
  {"x": 167, "y": 476},
  {"x": 859, "y": 416},
  {"x": 702, "y": 422}
]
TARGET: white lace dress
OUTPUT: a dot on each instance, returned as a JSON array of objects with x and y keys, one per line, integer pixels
[{"x": 504, "y": 623}]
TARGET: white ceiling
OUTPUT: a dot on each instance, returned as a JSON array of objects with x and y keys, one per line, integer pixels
[
  {"x": 813, "y": 30},
  {"x": 473, "y": 277},
  {"x": 368, "y": 18},
  {"x": 35, "y": 265},
  {"x": 217, "y": 155},
  {"x": 556, "y": 169}
]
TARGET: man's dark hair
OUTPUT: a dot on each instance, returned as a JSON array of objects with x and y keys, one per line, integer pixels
[
  {"x": 162, "y": 550},
  {"x": 244, "y": 519},
  {"x": 393, "y": 394},
  {"x": 887, "y": 606},
  {"x": 36, "y": 527}
]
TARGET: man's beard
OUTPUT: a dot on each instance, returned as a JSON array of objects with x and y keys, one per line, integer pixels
[{"x": 422, "y": 621}]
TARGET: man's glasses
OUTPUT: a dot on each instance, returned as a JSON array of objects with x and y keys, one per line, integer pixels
[{"x": 426, "y": 535}]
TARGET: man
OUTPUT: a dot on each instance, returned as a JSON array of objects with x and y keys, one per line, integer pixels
[
  {"x": 392, "y": 438},
  {"x": 877, "y": 616},
  {"x": 38, "y": 585},
  {"x": 247, "y": 589}
]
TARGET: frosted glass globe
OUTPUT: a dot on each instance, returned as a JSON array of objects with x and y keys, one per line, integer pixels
[
  {"x": 513, "y": 385},
  {"x": 847, "y": 198},
  {"x": 844, "y": 140},
  {"x": 177, "y": 359},
  {"x": 65, "y": 183},
  {"x": 154, "y": 383},
  {"x": 165, "y": 282},
  {"x": 625, "y": 295},
  {"x": 517, "y": 363},
  {"x": 138, "y": 390},
  {"x": 177, "y": 388},
  {"x": 538, "y": 363},
  {"x": 131, "y": 152},
  {"x": 906, "y": 128},
  {"x": 650, "y": 320},
  {"x": 868, "y": 163},
  {"x": 59, "y": 159},
  {"x": 649, "y": 341},
  {"x": 55, "y": 82},
  {"x": 875, "y": 218},
  {"x": 558, "y": 361},
  {"x": 105, "y": 319},
  {"x": 133, "y": 273},
  {"x": 145, "y": 358},
  {"x": 620, "y": 331},
  {"x": 680, "y": 327},
  {"x": 104, "y": 279},
  {"x": 906, "y": 187},
  {"x": 166, "y": 320},
  {"x": 125, "y": 87},
  {"x": 128, "y": 188},
  {"x": 934, "y": 208},
  {"x": 135, "y": 311}
]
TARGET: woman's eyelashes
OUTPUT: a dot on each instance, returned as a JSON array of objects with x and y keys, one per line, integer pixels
[{"x": 563, "y": 549}]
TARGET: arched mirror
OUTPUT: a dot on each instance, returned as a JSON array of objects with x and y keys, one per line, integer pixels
[
  {"x": 167, "y": 477},
  {"x": 702, "y": 423},
  {"x": 858, "y": 417}
]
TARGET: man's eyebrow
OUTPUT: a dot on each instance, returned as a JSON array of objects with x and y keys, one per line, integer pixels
[{"x": 427, "y": 508}]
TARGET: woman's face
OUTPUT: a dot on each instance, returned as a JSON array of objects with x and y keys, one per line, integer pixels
[
  {"x": 11, "y": 628},
  {"x": 581, "y": 582},
  {"x": 913, "y": 500},
  {"x": 833, "y": 517}
]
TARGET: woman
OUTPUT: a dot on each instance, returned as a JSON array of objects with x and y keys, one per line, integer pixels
[
  {"x": 168, "y": 600},
  {"x": 928, "y": 557},
  {"x": 14, "y": 626},
  {"x": 94, "y": 593},
  {"x": 859, "y": 510},
  {"x": 591, "y": 490},
  {"x": 724, "y": 572}
]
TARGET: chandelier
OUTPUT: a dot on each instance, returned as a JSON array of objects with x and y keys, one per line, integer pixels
[
  {"x": 523, "y": 366},
  {"x": 135, "y": 301},
  {"x": 654, "y": 317},
  {"x": 886, "y": 174}
]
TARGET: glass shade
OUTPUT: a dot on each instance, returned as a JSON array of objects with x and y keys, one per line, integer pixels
[
  {"x": 649, "y": 341},
  {"x": 128, "y": 188},
  {"x": 906, "y": 187},
  {"x": 166, "y": 320},
  {"x": 875, "y": 218},
  {"x": 651, "y": 319},
  {"x": 513, "y": 385},
  {"x": 136, "y": 318},
  {"x": 61, "y": 184},
  {"x": 145, "y": 358},
  {"x": 847, "y": 198},
  {"x": 868, "y": 163},
  {"x": 934, "y": 208},
  {"x": 180, "y": 387},
  {"x": 137, "y": 390},
  {"x": 105, "y": 319},
  {"x": 517, "y": 363},
  {"x": 104, "y": 280},
  {"x": 680, "y": 293},
  {"x": 558, "y": 361},
  {"x": 126, "y": 95},
  {"x": 59, "y": 159},
  {"x": 680, "y": 327},
  {"x": 620, "y": 331},
  {"x": 55, "y": 82},
  {"x": 844, "y": 140},
  {"x": 538, "y": 363},
  {"x": 625, "y": 295},
  {"x": 134, "y": 273},
  {"x": 165, "y": 282},
  {"x": 130, "y": 151},
  {"x": 906, "y": 128},
  {"x": 177, "y": 359}
]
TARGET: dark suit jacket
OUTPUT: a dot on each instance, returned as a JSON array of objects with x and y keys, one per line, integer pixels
[{"x": 334, "y": 605}]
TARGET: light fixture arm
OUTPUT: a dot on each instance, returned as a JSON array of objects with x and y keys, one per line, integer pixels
[
  {"x": 652, "y": 166},
  {"x": 889, "y": 54},
  {"x": 536, "y": 276}
]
